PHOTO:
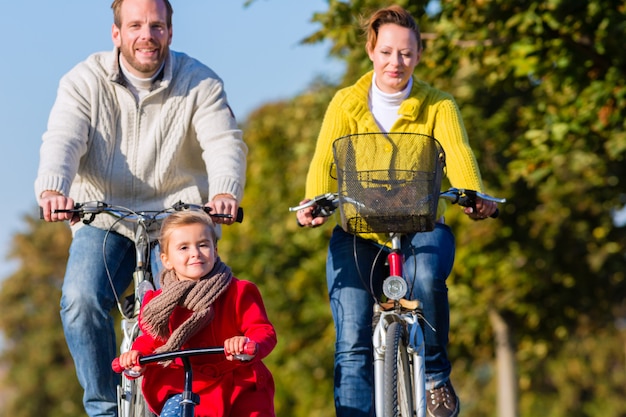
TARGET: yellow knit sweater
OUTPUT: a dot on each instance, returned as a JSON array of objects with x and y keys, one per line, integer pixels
[{"x": 426, "y": 111}]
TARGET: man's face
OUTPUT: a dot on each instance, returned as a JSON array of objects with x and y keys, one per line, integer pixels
[{"x": 143, "y": 37}]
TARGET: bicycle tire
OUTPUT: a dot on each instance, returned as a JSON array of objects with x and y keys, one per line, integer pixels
[
  {"x": 398, "y": 400},
  {"x": 141, "y": 406}
]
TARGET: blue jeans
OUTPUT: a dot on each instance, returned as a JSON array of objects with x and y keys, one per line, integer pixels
[
  {"x": 428, "y": 262},
  {"x": 86, "y": 303}
]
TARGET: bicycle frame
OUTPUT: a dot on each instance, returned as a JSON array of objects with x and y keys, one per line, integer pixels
[
  {"x": 397, "y": 312},
  {"x": 408, "y": 314},
  {"x": 130, "y": 402}
]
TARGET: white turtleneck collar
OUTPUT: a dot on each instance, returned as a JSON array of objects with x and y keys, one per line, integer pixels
[
  {"x": 385, "y": 106},
  {"x": 138, "y": 86}
]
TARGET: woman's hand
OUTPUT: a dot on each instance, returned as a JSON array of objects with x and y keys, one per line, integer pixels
[
  {"x": 305, "y": 217},
  {"x": 484, "y": 209}
]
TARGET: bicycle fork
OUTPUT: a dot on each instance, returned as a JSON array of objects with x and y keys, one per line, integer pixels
[{"x": 415, "y": 350}]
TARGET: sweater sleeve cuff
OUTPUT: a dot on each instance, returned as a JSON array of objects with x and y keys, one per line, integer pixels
[
  {"x": 226, "y": 185},
  {"x": 58, "y": 184}
]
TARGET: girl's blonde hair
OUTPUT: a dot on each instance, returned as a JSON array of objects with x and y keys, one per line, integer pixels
[{"x": 184, "y": 218}]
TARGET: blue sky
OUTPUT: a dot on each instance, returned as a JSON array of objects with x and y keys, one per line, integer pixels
[{"x": 255, "y": 50}]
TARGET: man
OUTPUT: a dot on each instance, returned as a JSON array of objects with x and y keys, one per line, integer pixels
[{"x": 141, "y": 127}]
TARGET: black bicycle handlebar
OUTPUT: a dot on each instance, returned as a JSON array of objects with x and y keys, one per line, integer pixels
[
  {"x": 249, "y": 351},
  {"x": 325, "y": 204},
  {"x": 96, "y": 207},
  {"x": 467, "y": 198},
  {"x": 190, "y": 399}
]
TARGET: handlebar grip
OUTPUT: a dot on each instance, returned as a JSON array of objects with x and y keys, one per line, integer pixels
[
  {"x": 118, "y": 369},
  {"x": 115, "y": 365},
  {"x": 238, "y": 218},
  {"x": 250, "y": 348},
  {"x": 249, "y": 352}
]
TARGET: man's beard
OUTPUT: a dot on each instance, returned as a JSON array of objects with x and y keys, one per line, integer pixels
[{"x": 148, "y": 67}]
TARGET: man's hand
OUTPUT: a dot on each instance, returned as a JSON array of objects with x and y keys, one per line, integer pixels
[
  {"x": 49, "y": 201},
  {"x": 224, "y": 204}
]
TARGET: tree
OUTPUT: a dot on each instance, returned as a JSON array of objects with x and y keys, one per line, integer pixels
[
  {"x": 287, "y": 262},
  {"x": 541, "y": 89},
  {"x": 40, "y": 372},
  {"x": 545, "y": 103}
]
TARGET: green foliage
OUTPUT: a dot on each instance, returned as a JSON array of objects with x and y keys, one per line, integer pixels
[
  {"x": 287, "y": 262},
  {"x": 541, "y": 88},
  {"x": 40, "y": 372}
]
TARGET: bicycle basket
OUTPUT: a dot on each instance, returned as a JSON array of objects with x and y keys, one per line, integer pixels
[{"x": 388, "y": 182}]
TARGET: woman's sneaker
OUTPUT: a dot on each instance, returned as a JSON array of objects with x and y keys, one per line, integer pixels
[{"x": 443, "y": 402}]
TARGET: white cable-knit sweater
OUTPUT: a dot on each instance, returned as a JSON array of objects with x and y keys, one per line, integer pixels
[{"x": 180, "y": 142}]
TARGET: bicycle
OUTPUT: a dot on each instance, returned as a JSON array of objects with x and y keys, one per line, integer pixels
[
  {"x": 379, "y": 198},
  {"x": 190, "y": 399},
  {"x": 129, "y": 400}
]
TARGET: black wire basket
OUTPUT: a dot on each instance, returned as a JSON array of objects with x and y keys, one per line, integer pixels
[{"x": 388, "y": 182}]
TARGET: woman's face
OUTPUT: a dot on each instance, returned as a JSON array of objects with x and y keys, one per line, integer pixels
[{"x": 395, "y": 56}]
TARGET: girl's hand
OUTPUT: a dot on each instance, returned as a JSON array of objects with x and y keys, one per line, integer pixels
[
  {"x": 130, "y": 361},
  {"x": 235, "y": 346}
]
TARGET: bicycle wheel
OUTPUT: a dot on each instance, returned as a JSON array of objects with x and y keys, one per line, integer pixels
[
  {"x": 130, "y": 401},
  {"x": 141, "y": 407},
  {"x": 398, "y": 400}
]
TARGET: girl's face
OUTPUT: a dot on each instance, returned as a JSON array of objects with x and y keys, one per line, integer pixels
[
  {"x": 190, "y": 252},
  {"x": 395, "y": 56}
]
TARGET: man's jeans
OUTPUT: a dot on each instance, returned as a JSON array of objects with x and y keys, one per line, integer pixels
[
  {"x": 86, "y": 303},
  {"x": 428, "y": 262}
]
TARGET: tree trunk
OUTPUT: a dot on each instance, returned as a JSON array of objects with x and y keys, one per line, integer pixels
[{"x": 505, "y": 357}]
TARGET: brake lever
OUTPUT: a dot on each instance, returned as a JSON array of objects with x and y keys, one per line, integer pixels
[
  {"x": 467, "y": 198},
  {"x": 325, "y": 205}
]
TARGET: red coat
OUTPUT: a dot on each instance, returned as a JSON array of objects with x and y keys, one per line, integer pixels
[{"x": 226, "y": 388}]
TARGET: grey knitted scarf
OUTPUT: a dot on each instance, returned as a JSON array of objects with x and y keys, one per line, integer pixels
[{"x": 197, "y": 296}]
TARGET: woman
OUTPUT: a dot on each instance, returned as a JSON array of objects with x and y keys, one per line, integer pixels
[{"x": 390, "y": 99}]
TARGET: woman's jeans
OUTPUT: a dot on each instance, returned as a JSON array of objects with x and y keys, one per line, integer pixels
[
  {"x": 86, "y": 304},
  {"x": 428, "y": 262}
]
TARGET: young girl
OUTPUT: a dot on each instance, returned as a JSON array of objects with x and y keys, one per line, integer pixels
[{"x": 200, "y": 304}]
